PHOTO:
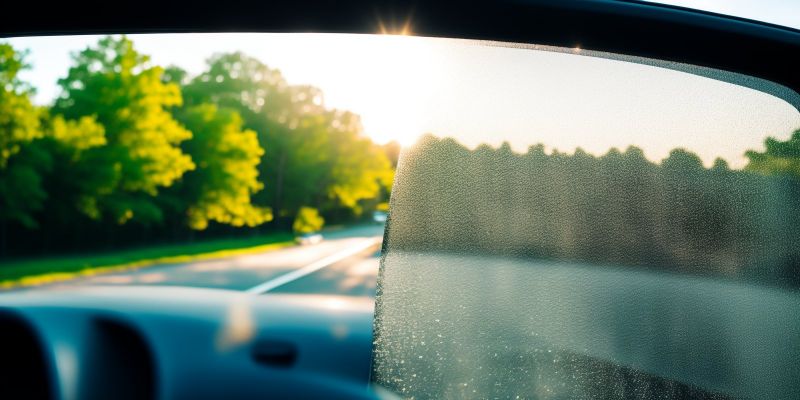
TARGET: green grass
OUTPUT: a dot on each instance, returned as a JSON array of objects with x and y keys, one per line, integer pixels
[{"x": 37, "y": 271}]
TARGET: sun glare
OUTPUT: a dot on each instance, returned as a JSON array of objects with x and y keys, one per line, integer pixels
[
  {"x": 404, "y": 73},
  {"x": 403, "y": 30}
]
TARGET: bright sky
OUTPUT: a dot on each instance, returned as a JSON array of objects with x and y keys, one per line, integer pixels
[
  {"x": 403, "y": 87},
  {"x": 781, "y": 12}
]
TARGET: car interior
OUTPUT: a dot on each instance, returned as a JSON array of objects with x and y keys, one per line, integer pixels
[{"x": 617, "y": 218}]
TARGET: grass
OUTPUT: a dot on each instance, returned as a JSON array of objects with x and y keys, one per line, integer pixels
[{"x": 38, "y": 271}]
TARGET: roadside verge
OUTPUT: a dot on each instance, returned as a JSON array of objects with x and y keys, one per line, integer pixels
[{"x": 34, "y": 272}]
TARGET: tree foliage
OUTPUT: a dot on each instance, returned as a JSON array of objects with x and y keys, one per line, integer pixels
[
  {"x": 36, "y": 146},
  {"x": 142, "y": 153},
  {"x": 307, "y": 220},
  {"x": 226, "y": 177},
  {"x": 131, "y": 151},
  {"x": 778, "y": 157},
  {"x": 21, "y": 191},
  {"x": 21, "y": 186},
  {"x": 313, "y": 155},
  {"x": 616, "y": 209},
  {"x": 19, "y": 119}
]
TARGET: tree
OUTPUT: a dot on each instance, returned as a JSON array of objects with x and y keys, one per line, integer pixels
[
  {"x": 21, "y": 187},
  {"x": 779, "y": 158},
  {"x": 682, "y": 161},
  {"x": 307, "y": 220},
  {"x": 19, "y": 119},
  {"x": 313, "y": 156},
  {"x": 269, "y": 106},
  {"x": 34, "y": 145},
  {"x": 71, "y": 147},
  {"x": 142, "y": 154},
  {"x": 392, "y": 150},
  {"x": 720, "y": 165},
  {"x": 221, "y": 186},
  {"x": 21, "y": 191},
  {"x": 361, "y": 168}
]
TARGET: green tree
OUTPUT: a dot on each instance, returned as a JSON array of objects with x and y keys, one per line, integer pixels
[
  {"x": 313, "y": 155},
  {"x": 272, "y": 108},
  {"x": 19, "y": 119},
  {"x": 72, "y": 146},
  {"x": 392, "y": 150},
  {"x": 227, "y": 157},
  {"x": 34, "y": 146},
  {"x": 21, "y": 166},
  {"x": 720, "y": 165},
  {"x": 307, "y": 220},
  {"x": 682, "y": 160},
  {"x": 360, "y": 168},
  {"x": 779, "y": 157},
  {"x": 21, "y": 186},
  {"x": 118, "y": 85}
]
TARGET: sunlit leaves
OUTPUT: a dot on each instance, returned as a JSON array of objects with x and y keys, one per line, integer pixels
[
  {"x": 307, "y": 220},
  {"x": 21, "y": 164},
  {"x": 129, "y": 142},
  {"x": 12, "y": 62},
  {"x": 79, "y": 135},
  {"x": 19, "y": 119},
  {"x": 363, "y": 172},
  {"x": 227, "y": 175},
  {"x": 32, "y": 144},
  {"x": 115, "y": 84},
  {"x": 313, "y": 156}
]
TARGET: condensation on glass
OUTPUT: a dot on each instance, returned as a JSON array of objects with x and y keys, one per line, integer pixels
[{"x": 640, "y": 239}]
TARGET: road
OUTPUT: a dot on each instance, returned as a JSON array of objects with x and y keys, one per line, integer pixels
[{"x": 344, "y": 263}]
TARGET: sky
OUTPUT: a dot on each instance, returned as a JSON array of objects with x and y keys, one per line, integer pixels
[
  {"x": 479, "y": 93},
  {"x": 780, "y": 12}
]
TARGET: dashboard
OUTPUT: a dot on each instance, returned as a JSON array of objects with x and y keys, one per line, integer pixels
[{"x": 183, "y": 343}]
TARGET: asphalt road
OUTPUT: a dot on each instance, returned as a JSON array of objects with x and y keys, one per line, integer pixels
[{"x": 344, "y": 263}]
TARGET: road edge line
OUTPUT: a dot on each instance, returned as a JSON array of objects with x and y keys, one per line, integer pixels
[{"x": 313, "y": 267}]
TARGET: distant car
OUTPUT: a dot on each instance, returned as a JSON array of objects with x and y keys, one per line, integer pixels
[
  {"x": 380, "y": 216},
  {"x": 309, "y": 238}
]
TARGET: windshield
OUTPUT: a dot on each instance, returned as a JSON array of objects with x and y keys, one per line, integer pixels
[
  {"x": 559, "y": 223},
  {"x": 245, "y": 162}
]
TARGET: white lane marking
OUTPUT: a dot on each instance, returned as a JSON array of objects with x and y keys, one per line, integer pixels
[{"x": 313, "y": 267}]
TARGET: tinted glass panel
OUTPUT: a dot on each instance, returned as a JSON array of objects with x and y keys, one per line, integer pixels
[
  {"x": 780, "y": 12},
  {"x": 601, "y": 229}
]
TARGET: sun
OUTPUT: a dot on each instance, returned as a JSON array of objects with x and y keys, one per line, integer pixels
[
  {"x": 400, "y": 84},
  {"x": 390, "y": 81}
]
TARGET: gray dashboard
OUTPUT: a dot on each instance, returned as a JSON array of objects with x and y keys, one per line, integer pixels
[{"x": 183, "y": 343}]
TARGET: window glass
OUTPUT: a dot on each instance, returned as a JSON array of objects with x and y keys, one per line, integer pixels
[
  {"x": 584, "y": 227},
  {"x": 229, "y": 161},
  {"x": 563, "y": 223},
  {"x": 779, "y": 12}
]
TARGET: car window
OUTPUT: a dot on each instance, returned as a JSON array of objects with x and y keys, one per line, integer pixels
[
  {"x": 587, "y": 227},
  {"x": 563, "y": 223},
  {"x": 780, "y": 12}
]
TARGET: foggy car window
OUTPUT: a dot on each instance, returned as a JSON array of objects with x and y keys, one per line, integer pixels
[{"x": 599, "y": 229}]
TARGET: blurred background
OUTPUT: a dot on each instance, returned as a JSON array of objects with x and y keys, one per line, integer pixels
[{"x": 226, "y": 177}]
